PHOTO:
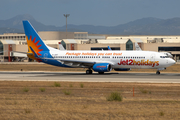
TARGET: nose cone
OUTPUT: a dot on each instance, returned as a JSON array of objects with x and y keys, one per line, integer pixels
[{"x": 172, "y": 62}]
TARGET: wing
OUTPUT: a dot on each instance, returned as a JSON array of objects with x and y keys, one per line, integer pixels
[
  {"x": 77, "y": 63},
  {"x": 73, "y": 63}
]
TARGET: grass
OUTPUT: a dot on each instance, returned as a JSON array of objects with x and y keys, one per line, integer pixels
[
  {"x": 15, "y": 102},
  {"x": 27, "y": 111},
  {"x": 115, "y": 96},
  {"x": 42, "y": 89},
  {"x": 25, "y": 89},
  {"x": 85, "y": 106},
  {"x": 81, "y": 85},
  {"x": 161, "y": 113},
  {"x": 144, "y": 91},
  {"x": 70, "y": 85},
  {"x": 90, "y": 102},
  {"x": 67, "y": 92},
  {"x": 57, "y": 84}
]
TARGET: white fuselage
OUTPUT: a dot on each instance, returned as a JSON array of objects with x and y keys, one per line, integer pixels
[{"x": 118, "y": 59}]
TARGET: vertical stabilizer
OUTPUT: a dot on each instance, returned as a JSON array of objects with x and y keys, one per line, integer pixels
[
  {"x": 33, "y": 39},
  {"x": 61, "y": 46},
  {"x": 109, "y": 48}
]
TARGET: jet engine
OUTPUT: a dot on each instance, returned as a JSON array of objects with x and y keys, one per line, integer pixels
[{"x": 102, "y": 67}]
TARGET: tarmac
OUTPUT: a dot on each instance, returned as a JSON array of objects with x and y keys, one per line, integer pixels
[{"x": 95, "y": 77}]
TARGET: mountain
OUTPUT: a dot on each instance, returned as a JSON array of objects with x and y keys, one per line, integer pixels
[
  {"x": 144, "y": 26},
  {"x": 16, "y": 23}
]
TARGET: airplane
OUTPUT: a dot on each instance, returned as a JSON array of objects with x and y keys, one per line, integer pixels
[
  {"x": 139, "y": 49},
  {"x": 98, "y": 61},
  {"x": 109, "y": 48},
  {"x": 61, "y": 46},
  {"x": 136, "y": 46}
]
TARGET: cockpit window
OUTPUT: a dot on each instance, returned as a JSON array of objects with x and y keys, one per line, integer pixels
[{"x": 164, "y": 57}]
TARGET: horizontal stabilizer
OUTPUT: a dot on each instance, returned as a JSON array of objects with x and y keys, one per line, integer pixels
[
  {"x": 22, "y": 52},
  {"x": 34, "y": 53}
]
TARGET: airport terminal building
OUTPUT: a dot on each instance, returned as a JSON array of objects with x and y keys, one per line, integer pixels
[{"x": 84, "y": 41}]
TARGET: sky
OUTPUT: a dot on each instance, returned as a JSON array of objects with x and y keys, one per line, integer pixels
[{"x": 90, "y": 12}]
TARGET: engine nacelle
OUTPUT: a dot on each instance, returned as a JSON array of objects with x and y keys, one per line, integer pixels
[
  {"x": 122, "y": 69},
  {"x": 102, "y": 67}
]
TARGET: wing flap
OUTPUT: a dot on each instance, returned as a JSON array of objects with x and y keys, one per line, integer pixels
[{"x": 77, "y": 63}]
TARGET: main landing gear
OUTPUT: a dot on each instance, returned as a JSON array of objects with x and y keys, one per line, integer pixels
[
  {"x": 89, "y": 71},
  {"x": 101, "y": 72},
  {"x": 157, "y": 72}
]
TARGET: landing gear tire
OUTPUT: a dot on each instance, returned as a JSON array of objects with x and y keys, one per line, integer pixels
[
  {"x": 88, "y": 71},
  {"x": 157, "y": 73},
  {"x": 101, "y": 72}
]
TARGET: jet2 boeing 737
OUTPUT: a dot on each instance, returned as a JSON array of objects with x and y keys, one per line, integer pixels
[{"x": 98, "y": 61}]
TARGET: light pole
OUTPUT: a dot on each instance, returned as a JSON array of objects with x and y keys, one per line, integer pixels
[{"x": 66, "y": 15}]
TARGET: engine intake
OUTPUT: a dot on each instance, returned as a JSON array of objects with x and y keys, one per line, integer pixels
[{"x": 102, "y": 67}]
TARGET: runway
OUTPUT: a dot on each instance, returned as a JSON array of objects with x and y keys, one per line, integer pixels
[{"x": 95, "y": 77}]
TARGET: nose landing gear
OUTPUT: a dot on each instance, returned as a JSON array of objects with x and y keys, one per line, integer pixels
[{"x": 158, "y": 70}]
